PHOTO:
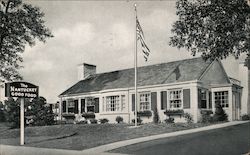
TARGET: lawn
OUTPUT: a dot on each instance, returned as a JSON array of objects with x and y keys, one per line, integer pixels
[{"x": 83, "y": 136}]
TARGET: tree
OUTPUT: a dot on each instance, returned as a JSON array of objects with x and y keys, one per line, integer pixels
[
  {"x": 20, "y": 24},
  {"x": 2, "y": 112},
  {"x": 36, "y": 112},
  {"x": 214, "y": 28}
]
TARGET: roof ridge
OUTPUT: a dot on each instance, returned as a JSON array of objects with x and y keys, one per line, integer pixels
[{"x": 150, "y": 65}]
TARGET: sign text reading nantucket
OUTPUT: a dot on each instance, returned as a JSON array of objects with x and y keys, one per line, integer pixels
[{"x": 21, "y": 89}]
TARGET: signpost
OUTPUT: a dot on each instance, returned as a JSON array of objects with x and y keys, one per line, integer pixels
[{"x": 22, "y": 90}]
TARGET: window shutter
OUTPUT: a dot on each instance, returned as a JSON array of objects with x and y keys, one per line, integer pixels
[
  {"x": 64, "y": 106},
  {"x": 153, "y": 101},
  {"x": 133, "y": 102},
  {"x": 96, "y": 105},
  {"x": 210, "y": 100},
  {"x": 76, "y": 107},
  {"x": 199, "y": 98},
  {"x": 163, "y": 100},
  {"x": 186, "y": 98},
  {"x": 82, "y": 105}
]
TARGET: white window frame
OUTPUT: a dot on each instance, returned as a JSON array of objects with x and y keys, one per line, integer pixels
[
  {"x": 109, "y": 101},
  {"x": 204, "y": 91},
  {"x": 222, "y": 101},
  {"x": 145, "y": 101},
  {"x": 170, "y": 99}
]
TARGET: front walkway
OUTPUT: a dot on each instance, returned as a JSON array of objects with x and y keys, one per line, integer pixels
[{"x": 100, "y": 150}]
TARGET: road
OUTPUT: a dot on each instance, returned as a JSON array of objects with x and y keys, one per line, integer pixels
[{"x": 233, "y": 140}]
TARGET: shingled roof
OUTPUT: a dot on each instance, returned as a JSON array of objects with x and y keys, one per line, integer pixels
[{"x": 171, "y": 72}]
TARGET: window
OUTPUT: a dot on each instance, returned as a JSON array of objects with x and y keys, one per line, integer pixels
[
  {"x": 203, "y": 99},
  {"x": 221, "y": 98},
  {"x": 144, "y": 101},
  {"x": 71, "y": 106},
  {"x": 175, "y": 99},
  {"x": 112, "y": 103},
  {"x": 90, "y": 104}
]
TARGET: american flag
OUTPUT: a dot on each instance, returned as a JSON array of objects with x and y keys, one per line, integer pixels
[{"x": 140, "y": 36}]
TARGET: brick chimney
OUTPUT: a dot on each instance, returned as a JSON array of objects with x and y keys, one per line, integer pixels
[{"x": 85, "y": 70}]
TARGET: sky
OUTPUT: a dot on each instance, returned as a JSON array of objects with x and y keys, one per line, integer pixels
[{"x": 100, "y": 33}]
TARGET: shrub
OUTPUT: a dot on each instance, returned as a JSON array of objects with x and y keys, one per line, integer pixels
[
  {"x": 93, "y": 121},
  {"x": 88, "y": 115},
  {"x": 156, "y": 116},
  {"x": 188, "y": 117},
  {"x": 219, "y": 114},
  {"x": 119, "y": 119},
  {"x": 169, "y": 120},
  {"x": 245, "y": 117},
  {"x": 104, "y": 120},
  {"x": 139, "y": 120},
  {"x": 206, "y": 118}
]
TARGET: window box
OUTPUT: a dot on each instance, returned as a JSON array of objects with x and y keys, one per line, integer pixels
[
  {"x": 88, "y": 115},
  {"x": 179, "y": 112},
  {"x": 206, "y": 112},
  {"x": 69, "y": 116},
  {"x": 146, "y": 113}
]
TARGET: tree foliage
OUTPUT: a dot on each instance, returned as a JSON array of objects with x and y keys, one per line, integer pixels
[
  {"x": 215, "y": 28},
  {"x": 36, "y": 112},
  {"x": 20, "y": 24}
]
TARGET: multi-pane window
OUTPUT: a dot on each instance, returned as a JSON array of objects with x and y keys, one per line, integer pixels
[
  {"x": 71, "y": 106},
  {"x": 123, "y": 102},
  {"x": 203, "y": 99},
  {"x": 90, "y": 104},
  {"x": 112, "y": 103},
  {"x": 175, "y": 99},
  {"x": 221, "y": 98},
  {"x": 144, "y": 101}
]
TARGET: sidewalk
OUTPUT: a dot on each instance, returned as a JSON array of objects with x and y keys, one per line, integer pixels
[{"x": 100, "y": 150}]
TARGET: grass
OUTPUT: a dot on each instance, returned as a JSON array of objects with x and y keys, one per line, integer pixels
[{"x": 83, "y": 136}]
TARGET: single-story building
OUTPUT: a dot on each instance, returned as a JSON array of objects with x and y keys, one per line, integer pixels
[{"x": 191, "y": 85}]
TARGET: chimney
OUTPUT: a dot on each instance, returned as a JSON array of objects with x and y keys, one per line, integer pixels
[{"x": 85, "y": 70}]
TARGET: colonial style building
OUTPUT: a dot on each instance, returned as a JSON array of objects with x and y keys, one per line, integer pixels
[{"x": 190, "y": 85}]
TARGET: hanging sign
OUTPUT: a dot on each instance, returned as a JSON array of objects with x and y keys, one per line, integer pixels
[{"x": 21, "y": 89}]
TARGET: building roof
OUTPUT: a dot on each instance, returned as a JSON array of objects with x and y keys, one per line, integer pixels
[{"x": 171, "y": 72}]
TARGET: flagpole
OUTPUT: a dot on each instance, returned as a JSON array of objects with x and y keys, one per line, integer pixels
[{"x": 135, "y": 63}]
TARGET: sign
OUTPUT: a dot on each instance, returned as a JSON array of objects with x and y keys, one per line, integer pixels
[{"x": 21, "y": 89}]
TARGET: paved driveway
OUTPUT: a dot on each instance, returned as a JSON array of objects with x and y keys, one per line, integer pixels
[{"x": 233, "y": 140}]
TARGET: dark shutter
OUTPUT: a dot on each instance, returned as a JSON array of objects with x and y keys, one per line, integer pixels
[
  {"x": 63, "y": 106},
  {"x": 133, "y": 102},
  {"x": 163, "y": 100},
  {"x": 199, "y": 98},
  {"x": 153, "y": 101},
  {"x": 210, "y": 100},
  {"x": 186, "y": 98},
  {"x": 96, "y": 105},
  {"x": 82, "y": 105},
  {"x": 76, "y": 106}
]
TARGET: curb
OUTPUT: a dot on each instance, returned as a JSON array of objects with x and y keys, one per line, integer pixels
[{"x": 112, "y": 146}]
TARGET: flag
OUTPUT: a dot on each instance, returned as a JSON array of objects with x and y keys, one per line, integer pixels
[{"x": 140, "y": 36}]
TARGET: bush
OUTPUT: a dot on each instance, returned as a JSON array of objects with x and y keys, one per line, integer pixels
[
  {"x": 169, "y": 120},
  {"x": 206, "y": 118},
  {"x": 93, "y": 121},
  {"x": 219, "y": 114},
  {"x": 104, "y": 120},
  {"x": 119, "y": 119},
  {"x": 245, "y": 117},
  {"x": 156, "y": 116},
  {"x": 139, "y": 120},
  {"x": 88, "y": 115},
  {"x": 188, "y": 117}
]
